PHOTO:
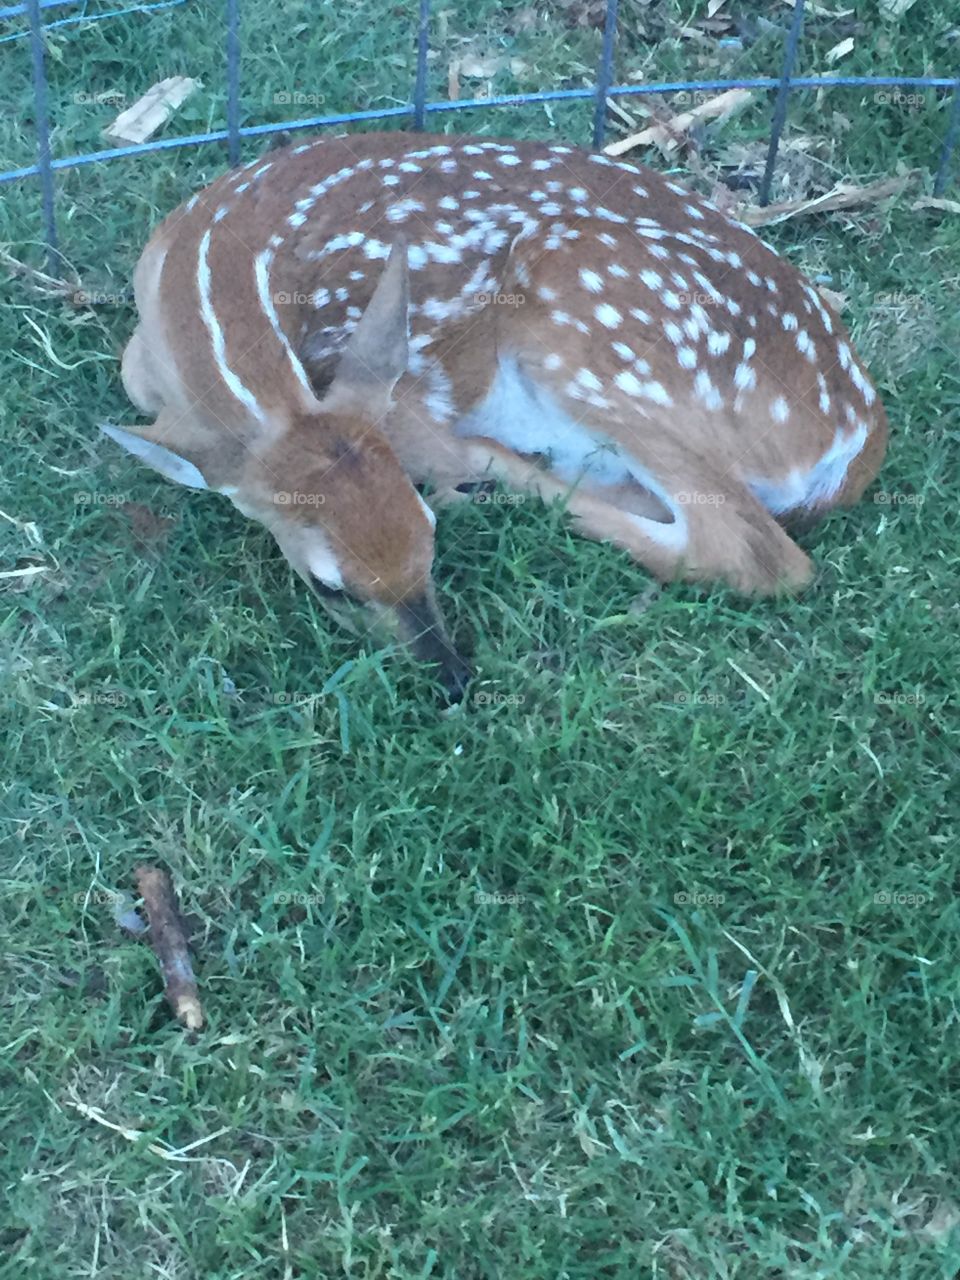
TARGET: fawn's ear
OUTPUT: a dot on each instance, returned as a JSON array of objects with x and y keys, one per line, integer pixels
[
  {"x": 376, "y": 354},
  {"x": 159, "y": 456}
]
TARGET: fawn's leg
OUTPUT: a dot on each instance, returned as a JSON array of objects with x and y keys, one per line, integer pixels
[{"x": 719, "y": 531}]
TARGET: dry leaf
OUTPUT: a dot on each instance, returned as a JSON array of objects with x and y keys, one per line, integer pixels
[
  {"x": 895, "y": 8},
  {"x": 482, "y": 67},
  {"x": 668, "y": 135},
  {"x": 931, "y": 202},
  {"x": 714, "y": 6},
  {"x": 152, "y": 111},
  {"x": 840, "y": 50},
  {"x": 843, "y": 196},
  {"x": 818, "y": 11},
  {"x": 453, "y": 81},
  {"x": 837, "y": 300}
]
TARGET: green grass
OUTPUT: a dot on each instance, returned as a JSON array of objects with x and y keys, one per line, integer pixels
[{"x": 592, "y": 978}]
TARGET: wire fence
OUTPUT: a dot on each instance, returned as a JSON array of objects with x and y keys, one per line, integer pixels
[{"x": 419, "y": 109}]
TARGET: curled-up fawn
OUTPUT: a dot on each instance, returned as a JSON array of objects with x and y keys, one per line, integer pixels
[{"x": 337, "y": 323}]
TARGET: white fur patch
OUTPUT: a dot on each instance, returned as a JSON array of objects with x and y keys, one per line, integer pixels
[{"x": 818, "y": 484}]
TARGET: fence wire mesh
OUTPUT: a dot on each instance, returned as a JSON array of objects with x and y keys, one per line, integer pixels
[{"x": 419, "y": 109}]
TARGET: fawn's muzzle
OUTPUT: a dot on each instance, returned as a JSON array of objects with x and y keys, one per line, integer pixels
[{"x": 430, "y": 643}]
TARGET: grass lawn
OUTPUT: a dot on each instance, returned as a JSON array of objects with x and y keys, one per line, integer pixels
[{"x": 641, "y": 964}]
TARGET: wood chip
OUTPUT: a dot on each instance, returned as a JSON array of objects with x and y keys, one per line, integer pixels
[
  {"x": 169, "y": 941},
  {"x": 152, "y": 111},
  {"x": 818, "y": 11},
  {"x": 670, "y": 134},
  {"x": 843, "y": 196},
  {"x": 840, "y": 50},
  {"x": 837, "y": 300},
  {"x": 932, "y": 202}
]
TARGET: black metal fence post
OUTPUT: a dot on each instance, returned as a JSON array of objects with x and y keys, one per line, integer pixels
[
  {"x": 783, "y": 96},
  {"x": 605, "y": 73},
  {"x": 423, "y": 46},
  {"x": 43, "y": 136},
  {"x": 233, "y": 81}
]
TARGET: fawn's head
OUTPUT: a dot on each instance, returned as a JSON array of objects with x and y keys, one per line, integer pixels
[{"x": 325, "y": 482}]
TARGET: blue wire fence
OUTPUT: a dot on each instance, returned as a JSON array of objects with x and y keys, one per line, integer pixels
[{"x": 419, "y": 109}]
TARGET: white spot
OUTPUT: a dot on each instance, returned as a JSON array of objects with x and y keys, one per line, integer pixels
[
  {"x": 862, "y": 385},
  {"x": 632, "y": 385},
  {"x": 805, "y": 346},
  {"x": 718, "y": 342},
  {"x": 590, "y": 280},
  {"x": 789, "y": 321},
  {"x": 780, "y": 410},
  {"x": 707, "y": 392},
  {"x": 607, "y": 315},
  {"x": 687, "y": 357},
  {"x": 375, "y": 250},
  {"x": 624, "y": 352}
]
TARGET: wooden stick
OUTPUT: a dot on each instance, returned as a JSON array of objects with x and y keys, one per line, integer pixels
[{"x": 169, "y": 941}]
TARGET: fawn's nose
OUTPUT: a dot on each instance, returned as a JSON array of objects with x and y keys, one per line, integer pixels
[{"x": 431, "y": 644}]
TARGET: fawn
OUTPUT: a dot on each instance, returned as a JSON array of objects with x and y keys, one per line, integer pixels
[{"x": 332, "y": 325}]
